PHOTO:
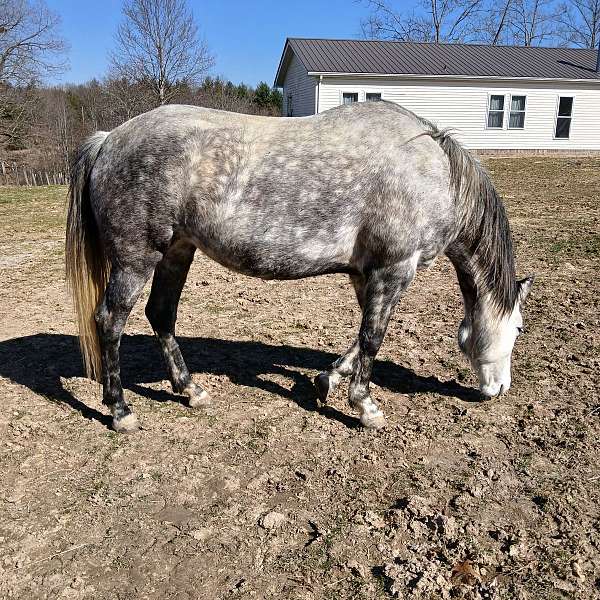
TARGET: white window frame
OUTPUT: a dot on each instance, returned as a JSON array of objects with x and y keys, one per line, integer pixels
[
  {"x": 487, "y": 112},
  {"x": 524, "y": 111},
  {"x": 359, "y": 93},
  {"x": 380, "y": 92},
  {"x": 556, "y": 117}
]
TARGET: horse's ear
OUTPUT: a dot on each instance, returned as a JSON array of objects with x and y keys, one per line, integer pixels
[{"x": 525, "y": 287}]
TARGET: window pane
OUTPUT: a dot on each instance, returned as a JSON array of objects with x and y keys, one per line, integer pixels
[
  {"x": 373, "y": 97},
  {"x": 350, "y": 97},
  {"x": 495, "y": 119},
  {"x": 496, "y": 102},
  {"x": 563, "y": 127},
  {"x": 517, "y": 103},
  {"x": 565, "y": 107},
  {"x": 517, "y": 120}
]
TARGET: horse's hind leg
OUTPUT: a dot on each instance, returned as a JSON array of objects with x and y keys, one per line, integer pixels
[
  {"x": 327, "y": 381},
  {"x": 122, "y": 291},
  {"x": 383, "y": 290},
  {"x": 161, "y": 310}
]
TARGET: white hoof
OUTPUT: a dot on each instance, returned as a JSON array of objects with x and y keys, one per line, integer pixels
[
  {"x": 199, "y": 400},
  {"x": 373, "y": 420},
  {"x": 128, "y": 424}
]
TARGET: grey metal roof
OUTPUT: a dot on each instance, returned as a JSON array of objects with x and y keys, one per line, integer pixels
[{"x": 459, "y": 60}]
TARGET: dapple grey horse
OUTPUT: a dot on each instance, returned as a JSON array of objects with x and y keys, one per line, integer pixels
[{"x": 370, "y": 190}]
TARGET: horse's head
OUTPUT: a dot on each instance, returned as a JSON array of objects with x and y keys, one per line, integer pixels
[{"x": 488, "y": 341}]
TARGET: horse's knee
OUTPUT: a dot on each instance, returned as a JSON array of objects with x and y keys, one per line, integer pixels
[{"x": 371, "y": 340}]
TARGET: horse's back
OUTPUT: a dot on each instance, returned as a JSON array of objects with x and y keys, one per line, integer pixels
[{"x": 275, "y": 196}]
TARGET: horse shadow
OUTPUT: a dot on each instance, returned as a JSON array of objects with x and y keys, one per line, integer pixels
[{"x": 39, "y": 361}]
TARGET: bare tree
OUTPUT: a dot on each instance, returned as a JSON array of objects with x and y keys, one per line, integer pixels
[
  {"x": 520, "y": 22},
  {"x": 157, "y": 46},
  {"x": 534, "y": 22},
  {"x": 493, "y": 23},
  {"x": 580, "y": 22},
  {"x": 30, "y": 48},
  {"x": 125, "y": 99},
  {"x": 17, "y": 109},
  {"x": 435, "y": 21},
  {"x": 30, "y": 43}
]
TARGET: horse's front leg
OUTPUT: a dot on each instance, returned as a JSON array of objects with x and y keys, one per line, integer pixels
[
  {"x": 382, "y": 292},
  {"x": 327, "y": 381}
]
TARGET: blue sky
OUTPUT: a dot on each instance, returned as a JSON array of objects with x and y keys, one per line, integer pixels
[{"x": 246, "y": 37}]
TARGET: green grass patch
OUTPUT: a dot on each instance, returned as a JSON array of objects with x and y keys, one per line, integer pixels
[
  {"x": 586, "y": 246},
  {"x": 21, "y": 194}
]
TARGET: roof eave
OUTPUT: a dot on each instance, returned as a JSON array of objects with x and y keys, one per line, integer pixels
[
  {"x": 283, "y": 64},
  {"x": 451, "y": 77}
]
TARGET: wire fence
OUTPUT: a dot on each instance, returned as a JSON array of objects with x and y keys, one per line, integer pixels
[{"x": 14, "y": 174}]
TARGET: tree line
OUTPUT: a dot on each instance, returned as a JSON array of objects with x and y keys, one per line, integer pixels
[
  {"x": 495, "y": 22},
  {"x": 158, "y": 58}
]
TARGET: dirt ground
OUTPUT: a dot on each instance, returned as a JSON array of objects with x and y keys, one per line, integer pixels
[{"x": 269, "y": 496}]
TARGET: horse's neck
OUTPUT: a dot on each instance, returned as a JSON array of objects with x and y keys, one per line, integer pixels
[{"x": 462, "y": 260}]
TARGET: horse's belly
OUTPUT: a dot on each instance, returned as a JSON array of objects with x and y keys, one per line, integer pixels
[{"x": 272, "y": 253}]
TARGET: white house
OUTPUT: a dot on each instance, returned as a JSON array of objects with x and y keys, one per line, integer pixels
[{"x": 495, "y": 97}]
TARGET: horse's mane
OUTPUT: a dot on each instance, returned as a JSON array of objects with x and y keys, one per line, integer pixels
[{"x": 483, "y": 226}]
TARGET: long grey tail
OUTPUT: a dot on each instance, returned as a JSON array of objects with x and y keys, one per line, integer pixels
[{"x": 87, "y": 266}]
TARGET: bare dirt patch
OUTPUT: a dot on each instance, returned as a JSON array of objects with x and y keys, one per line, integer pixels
[{"x": 270, "y": 496}]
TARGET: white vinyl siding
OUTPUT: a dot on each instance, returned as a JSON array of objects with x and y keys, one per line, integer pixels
[
  {"x": 301, "y": 88},
  {"x": 464, "y": 106}
]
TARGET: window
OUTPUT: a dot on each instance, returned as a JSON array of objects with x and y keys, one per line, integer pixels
[
  {"x": 563, "y": 118},
  {"x": 516, "y": 118},
  {"x": 373, "y": 96},
  {"x": 349, "y": 97},
  {"x": 495, "y": 118},
  {"x": 290, "y": 107}
]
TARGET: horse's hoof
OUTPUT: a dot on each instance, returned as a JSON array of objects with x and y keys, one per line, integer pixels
[
  {"x": 126, "y": 424},
  {"x": 200, "y": 400},
  {"x": 323, "y": 384},
  {"x": 372, "y": 420}
]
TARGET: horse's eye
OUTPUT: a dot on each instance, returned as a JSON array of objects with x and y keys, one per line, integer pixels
[{"x": 520, "y": 330}]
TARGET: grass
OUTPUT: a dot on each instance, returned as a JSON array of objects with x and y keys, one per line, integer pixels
[
  {"x": 573, "y": 247},
  {"x": 32, "y": 213},
  {"x": 56, "y": 194}
]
